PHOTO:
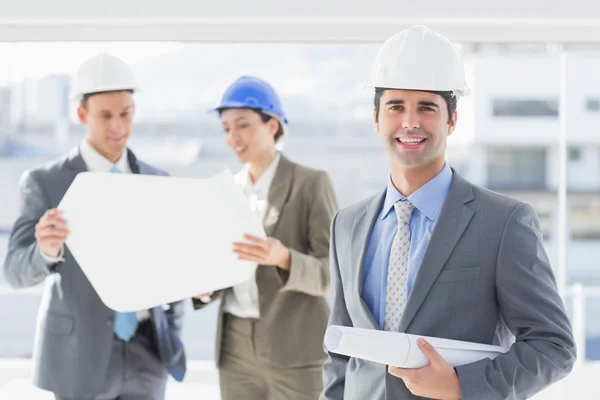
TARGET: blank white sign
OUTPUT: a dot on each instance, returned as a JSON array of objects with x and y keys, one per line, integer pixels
[{"x": 145, "y": 240}]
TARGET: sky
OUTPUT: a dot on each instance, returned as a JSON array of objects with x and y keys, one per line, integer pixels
[{"x": 35, "y": 59}]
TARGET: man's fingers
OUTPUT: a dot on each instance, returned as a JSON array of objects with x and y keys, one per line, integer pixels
[
  {"x": 56, "y": 221},
  {"x": 52, "y": 221},
  {"x": 53, "y": 212},
  {"x": 406, "y": 374},
  {"x": 432, "y": 355},
  {"x": 45, "y": 228},
  {"x": 50, "y": 231},
  {"x": 51, "y": 241}
]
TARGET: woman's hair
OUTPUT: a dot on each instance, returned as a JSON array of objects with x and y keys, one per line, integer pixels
[{"x": 265, "y": 118}]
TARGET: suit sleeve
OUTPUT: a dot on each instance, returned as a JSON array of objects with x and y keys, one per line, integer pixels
[
  {"x": 309, "y": 273},
  {"x": 24, "y": 265},
  {"x": 175, "y": 315},
  {"x": 334, "y": 368},
  {"x": 531, "y": 307}
]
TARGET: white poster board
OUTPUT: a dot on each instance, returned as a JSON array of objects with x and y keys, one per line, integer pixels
[{"x": 145, "y": 240}]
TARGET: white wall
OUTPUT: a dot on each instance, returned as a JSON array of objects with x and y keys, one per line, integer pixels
[
  {"x": 537, "y": 76},
  {"x": 584, "y": 174},
  {"x": 512, "y": 76},
  {"x": 477, "y": 165},
  {"x": 583, "y": 74},
  {"x": 429, "y": 9},
  {"x": 273, "y": 20}
]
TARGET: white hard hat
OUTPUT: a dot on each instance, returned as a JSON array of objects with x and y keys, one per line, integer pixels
[
  {"x": 102, "y": 73},
  {"x": 419, "y": 59}
]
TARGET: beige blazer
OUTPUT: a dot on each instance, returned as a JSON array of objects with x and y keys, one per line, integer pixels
[{"x": 293, "y": 308}]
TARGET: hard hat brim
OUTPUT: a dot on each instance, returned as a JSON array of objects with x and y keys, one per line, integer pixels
[
  {"x": 80, "y": 95},
  {"x": 239, "y": 104},
  {"x": 457, "y": 92}
]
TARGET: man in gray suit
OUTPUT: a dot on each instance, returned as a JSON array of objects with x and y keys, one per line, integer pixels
[
  {"x": 435, "y": 255},
  {"x": 83, "y": 349}
]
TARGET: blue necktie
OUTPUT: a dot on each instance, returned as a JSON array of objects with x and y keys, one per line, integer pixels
[{"x": 125, "y": 323}]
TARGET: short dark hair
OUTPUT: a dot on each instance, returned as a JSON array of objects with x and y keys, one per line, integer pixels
[
  {"x": 265, "y": 118},
  {"x": 84, "y": 99},
  {"x": 449, "y": 97}
]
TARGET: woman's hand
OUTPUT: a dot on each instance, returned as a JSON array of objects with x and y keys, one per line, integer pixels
[{"x": 263, "y": 252}]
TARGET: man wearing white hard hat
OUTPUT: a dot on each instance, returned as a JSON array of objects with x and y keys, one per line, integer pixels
[
  {"x": 435, "y": 255},
  {"x": 83, "y": 349}
]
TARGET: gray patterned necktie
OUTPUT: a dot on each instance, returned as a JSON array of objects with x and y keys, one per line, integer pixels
[{"x": 395, "y": 297}]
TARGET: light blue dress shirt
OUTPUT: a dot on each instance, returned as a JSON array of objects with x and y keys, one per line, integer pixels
[{"x": 428, "y": 201}]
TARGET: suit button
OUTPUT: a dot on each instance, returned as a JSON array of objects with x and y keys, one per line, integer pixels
[{"x": 109, "y": 323}]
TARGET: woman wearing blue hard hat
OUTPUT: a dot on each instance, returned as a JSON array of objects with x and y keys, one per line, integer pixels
[{"x": 271, "y": 328}]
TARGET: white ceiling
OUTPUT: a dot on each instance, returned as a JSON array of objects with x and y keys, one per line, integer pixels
[{"x": 305, "y": 20}]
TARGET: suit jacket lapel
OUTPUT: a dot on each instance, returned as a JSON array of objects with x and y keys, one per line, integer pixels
[
  {"x": 361, "y": 232},
  {"x": 449, "y": 228},
  {"x": 278, "y": 194},
  {"x": 75, "y": 161},
  {"x": 133, "y": 163},
  {"x": 75, "y": 165}
]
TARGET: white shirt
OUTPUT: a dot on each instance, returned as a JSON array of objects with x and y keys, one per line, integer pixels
[
  {"x": 242, "y": 300},
  {"x": 96, "y": 162}
]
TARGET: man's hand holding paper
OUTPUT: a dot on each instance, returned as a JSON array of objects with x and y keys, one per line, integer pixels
[
  {"x": 437, "y": 380},
  {"x": 51, "y": 233},
  {"x": 401, "y": 350}
]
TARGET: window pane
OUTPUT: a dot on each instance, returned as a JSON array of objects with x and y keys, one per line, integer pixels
[
  {"x": 593, "y": 105},
  {"x": 514, "y": 168},
  {"x": 524, "y": 108}
]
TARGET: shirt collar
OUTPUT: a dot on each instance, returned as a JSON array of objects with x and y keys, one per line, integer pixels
[
  {"x": 96, "y": 162},
  {"x": 428, "y": 199},
  {"x": 264, "y": 181}
]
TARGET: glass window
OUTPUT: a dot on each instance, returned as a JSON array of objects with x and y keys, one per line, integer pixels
[
  {"x": 593, "y": 105},
  {"x": 525, "y": 108},
  {"x": 585, "y": 217},
  {"x": 574, "y": 153},
  {"x": 516, "y": 168}
]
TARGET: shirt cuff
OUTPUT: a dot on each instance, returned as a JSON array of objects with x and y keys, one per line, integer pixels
[
  {"x": 207, "y": 298},
  {"x": 53, "y": 260}
]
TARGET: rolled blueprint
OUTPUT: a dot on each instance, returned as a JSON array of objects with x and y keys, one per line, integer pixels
[{"x": 401, "y": 349}]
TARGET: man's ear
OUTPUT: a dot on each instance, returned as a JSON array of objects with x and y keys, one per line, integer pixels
[
  {"x": 82, "y": 114},
  {"x": 452, "y": 124},
  {"x": 375, "y": 120}
]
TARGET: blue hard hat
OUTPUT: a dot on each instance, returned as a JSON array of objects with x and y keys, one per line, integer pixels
[{"x": 252, "y": 92}]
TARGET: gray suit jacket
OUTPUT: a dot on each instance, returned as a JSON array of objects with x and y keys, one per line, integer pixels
[
  {"x": 75, "y": 329},
  {"x": 485, "y": 278}
]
